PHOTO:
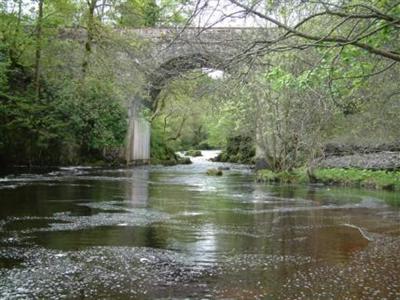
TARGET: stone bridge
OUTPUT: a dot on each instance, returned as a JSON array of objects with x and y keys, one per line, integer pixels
[
  {"x": 175, "y": 51},
  {"x": 170, "y": 52}
]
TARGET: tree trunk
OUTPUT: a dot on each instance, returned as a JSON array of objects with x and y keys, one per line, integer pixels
[
  {"x": 90, "y": 35},
  {"x": 13, "y": 51},
  {"x": 38, "y": 53}
]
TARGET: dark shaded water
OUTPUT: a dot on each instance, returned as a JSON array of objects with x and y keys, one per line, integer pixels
[{"x": 173, "y": 232}]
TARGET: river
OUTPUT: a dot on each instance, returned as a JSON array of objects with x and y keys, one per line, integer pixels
[{"x": 174, "y": 232}]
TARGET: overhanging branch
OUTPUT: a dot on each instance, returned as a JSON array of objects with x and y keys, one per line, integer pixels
[{"x": 339, "y": 41}]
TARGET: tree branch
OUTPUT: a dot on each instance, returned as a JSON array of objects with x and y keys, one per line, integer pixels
[{"x": 340, "y": 41}]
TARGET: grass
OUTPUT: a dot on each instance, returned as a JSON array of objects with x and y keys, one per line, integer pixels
[
  {"x": 295, "y": 176},
  {"x": 357, "y": 177},
  {"x": 389, "y": 180}
]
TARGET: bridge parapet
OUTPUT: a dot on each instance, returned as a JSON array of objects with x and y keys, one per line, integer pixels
[
  {"x": 169, "y": 42},
  {"x": 196, "y": 35}
]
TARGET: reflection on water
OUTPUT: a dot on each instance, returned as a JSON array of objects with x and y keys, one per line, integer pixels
[
  {"x": 173, "y": 232},
  {"x": 138, "y": 191}
]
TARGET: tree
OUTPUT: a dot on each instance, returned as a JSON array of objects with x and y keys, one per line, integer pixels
[
  {"x": 38, "y": 52},
  {"x": 48, "y": 115},
  {"x": 90, "y": 27},
  {"x": 134, "y": 13},
  {"x": 372, "y": 26}
]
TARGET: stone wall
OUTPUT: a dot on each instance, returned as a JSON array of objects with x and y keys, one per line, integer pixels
[{"x": 379, "y": 157}]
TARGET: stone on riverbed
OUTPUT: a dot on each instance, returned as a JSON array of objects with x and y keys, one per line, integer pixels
[
  {"x": 214, "y": 172},
  {"x": 224, "y": 168},
  {"x": 185, "y": 161}
]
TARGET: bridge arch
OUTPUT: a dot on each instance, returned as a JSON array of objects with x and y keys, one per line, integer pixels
[
  {"x": 177, "y": 66},
  {"x": 139, "y": 132},
  {"x": 173, "y": 52}
]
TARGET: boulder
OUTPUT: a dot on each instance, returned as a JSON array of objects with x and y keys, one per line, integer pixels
[
  {"x": 222, "y": 168},
  {"x": 261, "y": 163},
  {"x": 184, "y": 161},
  {"x": 214, "y": 172},
  {"x": 193, "y": 153}
]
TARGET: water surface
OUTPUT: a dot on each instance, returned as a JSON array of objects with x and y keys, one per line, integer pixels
[{"x": 173, "y": 232}]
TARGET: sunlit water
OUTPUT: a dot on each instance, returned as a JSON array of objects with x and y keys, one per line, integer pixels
[{"x": 173, "y": 232}]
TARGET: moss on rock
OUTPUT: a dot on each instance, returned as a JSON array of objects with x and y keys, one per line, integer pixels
[
  {"x": 193, "y": 153},
  {"x": 239, "y": 149}
]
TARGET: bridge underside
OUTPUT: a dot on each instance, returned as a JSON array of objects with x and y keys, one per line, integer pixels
[{"x": 139, "y": 133}]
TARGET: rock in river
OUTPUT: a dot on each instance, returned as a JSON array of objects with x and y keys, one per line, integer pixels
[{"x": 214, "y": 172}]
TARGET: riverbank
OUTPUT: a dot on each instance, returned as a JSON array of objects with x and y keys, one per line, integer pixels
[{"x": 351, "y": 177}]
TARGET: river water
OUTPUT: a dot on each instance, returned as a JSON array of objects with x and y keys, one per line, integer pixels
[{"x": 174, "y": 233}]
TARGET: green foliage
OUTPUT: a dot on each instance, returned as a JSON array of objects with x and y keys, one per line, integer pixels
[
  {"x": 239, "y": 149},
  {"x": 61, "y": 13},
  {"x": 221, "y": 127},
  {"x": 76, "y": 123},
  {"x": 95, "y": 114},
  {"x": 189, "y": 118},
  {"x": 298, "y": 175},
  {"x": 75, "y": 119},
  {"x": 148, "y": 13},
  {"x": 174, "y": 12},
  {"x": 4, "y": 65},
  {"x": 186, "y": 114},
  {"x": 160, "y": 151},
  {"x": 279, "y": 78},
  {"x": 138, "y": 13}
]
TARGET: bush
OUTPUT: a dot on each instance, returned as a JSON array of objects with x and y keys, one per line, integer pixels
[{"x": 69, "y": 124}]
